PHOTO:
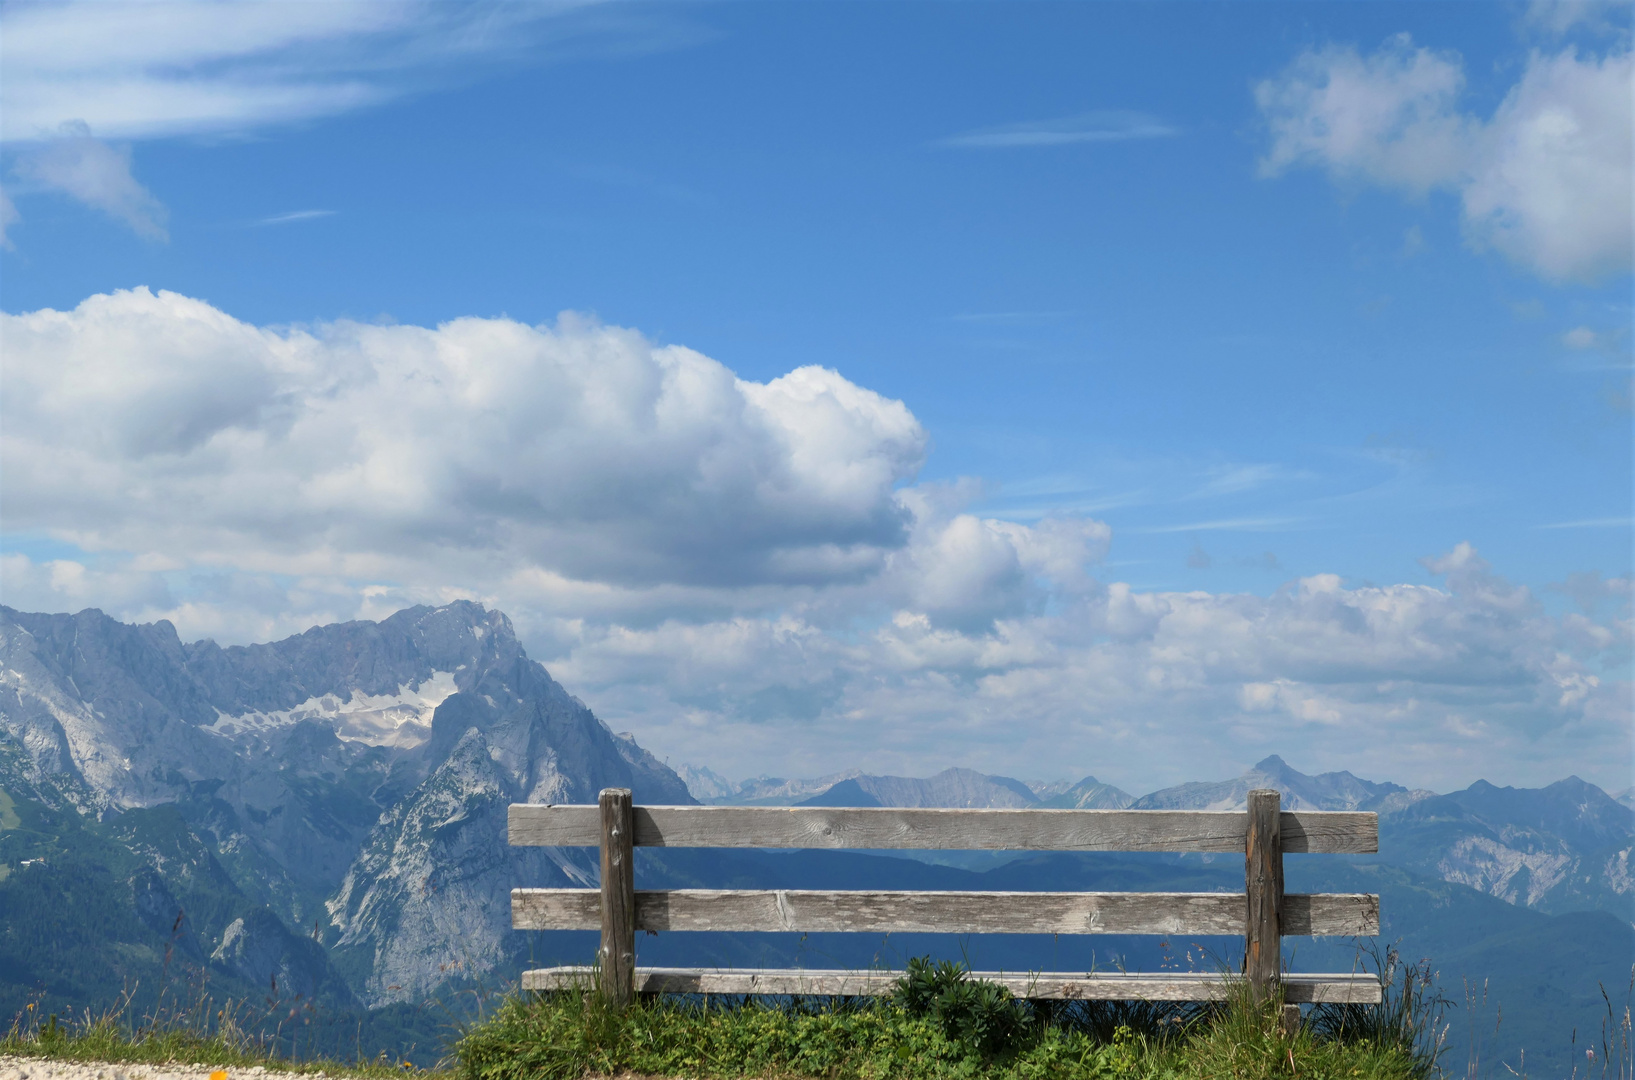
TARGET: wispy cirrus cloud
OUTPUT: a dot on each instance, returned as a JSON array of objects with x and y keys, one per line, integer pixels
[
  {"x": 186, "y": 67},
  {"x": 90, "y": 171},
  {"x": 81, "y": 73},
  {"x": 1243, "y": 524},
  {"x": 1624, "y": 522},
  {"x": 1012, "y": 317},
  {"x": 1106, "y": 125},
  {"x": 293, "y": 216}
]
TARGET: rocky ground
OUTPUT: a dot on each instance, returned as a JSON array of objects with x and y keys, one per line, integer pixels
[{"x": 26, "y": 1068}]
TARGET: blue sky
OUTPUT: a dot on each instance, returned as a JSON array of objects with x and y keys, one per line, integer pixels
[{"x": 1202, "y": 300}]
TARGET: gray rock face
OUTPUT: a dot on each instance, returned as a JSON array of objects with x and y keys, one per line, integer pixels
[
  {"x": 260, "y": 949},
  {"x": 1565, "y": 847},
  {"x": 353, "y": 778}
]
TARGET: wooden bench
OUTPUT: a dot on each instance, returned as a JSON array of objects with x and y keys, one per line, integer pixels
[{"x": 1263, "y": 913}]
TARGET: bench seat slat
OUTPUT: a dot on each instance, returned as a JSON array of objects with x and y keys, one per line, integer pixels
[
  {"x": 1360, "y": 987},
  {"x": 807, "y": 911},
  {"x": 1314, "y": 831}
]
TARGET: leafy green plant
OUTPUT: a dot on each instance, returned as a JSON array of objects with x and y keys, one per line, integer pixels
[
  {"x": 923, "y": 981},
  {"x": 977, "y": 1013}
]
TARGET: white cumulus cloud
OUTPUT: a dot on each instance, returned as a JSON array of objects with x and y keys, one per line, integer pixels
[
  {"x": 155, "y": 422},
  {"x": 745, "y": 574},
  {"x": 1545, "y": 179},
  {"x": 1415, "y": 682}
]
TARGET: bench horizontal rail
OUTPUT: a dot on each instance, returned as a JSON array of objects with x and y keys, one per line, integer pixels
[
  {"x": 1360, "y": 987},
  {"x": 1313, "y": 831},
  {"x": 813, "y": 911}
]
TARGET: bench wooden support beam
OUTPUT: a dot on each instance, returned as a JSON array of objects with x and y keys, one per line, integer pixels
[
  {"x": 616, "y": 913},
  {"x": 1360, "y": 988},
  {"x": 840, "y": 911},
  {"x": 879, "y": 828},
  {"x": 1263, "y": 889}
]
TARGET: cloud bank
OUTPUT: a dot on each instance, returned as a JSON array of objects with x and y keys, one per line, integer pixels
[
  {"x": 747, "y": 574},
  {"x": 1545, "y": 180}
]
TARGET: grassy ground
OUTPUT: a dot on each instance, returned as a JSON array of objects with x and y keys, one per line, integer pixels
[
  {"x": 567, "y": 1036},
  {"x": 201, "y": 1035},
  {"x": 974, "y": 1033},
  {"x": 940, "y": 1025}
]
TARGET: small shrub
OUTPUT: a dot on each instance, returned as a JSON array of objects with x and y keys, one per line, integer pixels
[{"x": 976, "y": 1013}]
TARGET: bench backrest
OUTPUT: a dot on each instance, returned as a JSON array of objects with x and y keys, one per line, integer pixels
[{"x": 1262, "y": 913}]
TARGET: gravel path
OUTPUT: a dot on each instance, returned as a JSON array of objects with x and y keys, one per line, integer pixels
[{"x": 26, "y": 1068}]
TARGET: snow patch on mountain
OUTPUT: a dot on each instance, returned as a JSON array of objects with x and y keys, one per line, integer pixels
[{"x": 401, "y": 720}]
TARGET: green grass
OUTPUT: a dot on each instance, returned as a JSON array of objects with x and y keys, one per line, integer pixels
[
  {"x": 568, "y": 1035},
  {"x": 231, "y": 1035},
  {"x": 940, "y": 1025}
]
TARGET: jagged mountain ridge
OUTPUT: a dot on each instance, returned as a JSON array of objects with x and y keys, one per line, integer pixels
[
  {"x": 1325, "y": 791},
  {"x": 352, "y": 779},
  {"x": 967, "y": 787},
  {"x": 951, "y": 787},
  {"x": 1088, "y": 794},
  {"x": 1565, "y": 847}
]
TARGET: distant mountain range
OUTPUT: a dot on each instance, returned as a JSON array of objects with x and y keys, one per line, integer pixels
[
  {"x": 322, "y": 820},
  {"x": 1562, "y": 848}
]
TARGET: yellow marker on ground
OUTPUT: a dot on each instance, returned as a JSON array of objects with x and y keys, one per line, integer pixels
[{"x": 219, "y": 1074}]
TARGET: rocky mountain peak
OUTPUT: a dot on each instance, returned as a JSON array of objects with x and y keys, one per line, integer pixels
[{"x": 337, "y": 770}]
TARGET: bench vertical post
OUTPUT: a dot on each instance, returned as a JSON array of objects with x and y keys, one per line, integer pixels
[
  {"x": 1263, "y": 880},
  {"x": 618, "y": 952}
]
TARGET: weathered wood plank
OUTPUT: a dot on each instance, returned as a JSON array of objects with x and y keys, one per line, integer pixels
[
  {"x": 1263, "y": 886},
  {"x": 1303, "y": 831},
  {"x": 617, "y": 907},
  {"x": 560, "y": 909},
  {"x": 808, "y": 911},
  {"x": 1331, "y": 915},
  {"x": 1360, "y": 988},
  {"x": 1329, "y": 832}
]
